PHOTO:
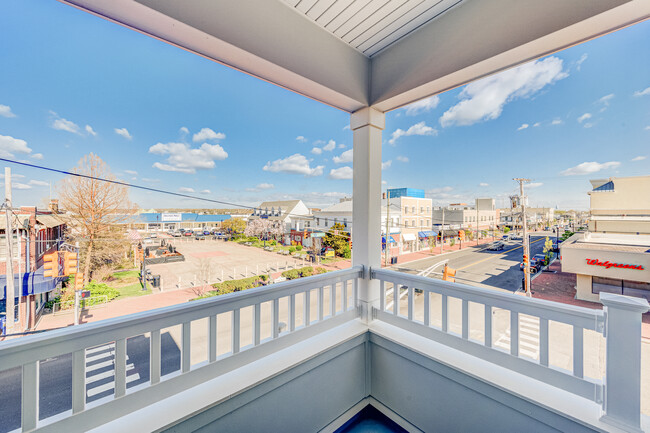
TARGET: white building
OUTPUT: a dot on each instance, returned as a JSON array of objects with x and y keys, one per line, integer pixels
[{"x": 293, "y": 214}]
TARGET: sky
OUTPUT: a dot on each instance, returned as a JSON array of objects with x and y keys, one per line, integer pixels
[{"x": 72, "y": 84}]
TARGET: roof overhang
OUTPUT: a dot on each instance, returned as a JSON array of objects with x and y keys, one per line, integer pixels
[{"x": 274, "y": 41}]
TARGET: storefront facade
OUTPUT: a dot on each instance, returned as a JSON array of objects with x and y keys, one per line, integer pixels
[{"x": 612, "y": 263}]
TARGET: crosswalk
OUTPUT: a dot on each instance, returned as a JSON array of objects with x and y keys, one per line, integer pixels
[
  {"x": 100, "y": 371},
  {"x": 528, "y": 337}
]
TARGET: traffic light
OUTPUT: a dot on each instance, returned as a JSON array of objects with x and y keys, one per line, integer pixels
[
  {"x": 461, "y": 234},
  {"x": 69, "y": 263},
  {"x": 448, "y": 274},
  {"x": 526, "y": 262},
  {"x": 79, "y": 282},
  {"x": 51, "y": 265}
]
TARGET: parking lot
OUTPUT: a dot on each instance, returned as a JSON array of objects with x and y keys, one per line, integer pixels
[{"x": 211, "y": 261}]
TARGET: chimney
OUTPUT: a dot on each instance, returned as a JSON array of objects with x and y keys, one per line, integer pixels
[{"x": 54, "y": 205}]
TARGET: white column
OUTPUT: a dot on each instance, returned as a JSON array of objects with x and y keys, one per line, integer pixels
[
  {"x": 622, "y": 399},
  {"x": 367, "y": 125}
]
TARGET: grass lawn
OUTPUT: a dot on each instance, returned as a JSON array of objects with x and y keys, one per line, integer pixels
[{"x": 128, "y": 284}]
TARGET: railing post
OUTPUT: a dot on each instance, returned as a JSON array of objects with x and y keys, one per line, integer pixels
[{"x": 622, "y": 399}]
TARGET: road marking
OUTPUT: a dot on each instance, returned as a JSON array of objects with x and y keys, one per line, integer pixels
[
  {"x": 528, "y": 337},
  {"x": 495, "y": 255},
  {"x": 96, "y": 380}
]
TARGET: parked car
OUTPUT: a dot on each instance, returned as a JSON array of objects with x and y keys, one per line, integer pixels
[
  {"x": 188, "y": 233},
  {"x": 206, "y": 232},
  {"x": 199, "y": 236},
  {"x": 496, "y": 246},
  {"x": 535, "y": 265},
  {"x": 541, "y": 258},
  {"x": 176, "y": 233},
  {"x": 505, "y": 237},
  {"x": 153, "y": 235}
]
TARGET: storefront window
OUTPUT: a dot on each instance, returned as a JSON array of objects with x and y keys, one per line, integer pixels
[{"x": 607, "y": 285}]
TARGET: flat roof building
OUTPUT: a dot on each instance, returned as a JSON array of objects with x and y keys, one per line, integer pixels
[{"x": 620, "y": 205}]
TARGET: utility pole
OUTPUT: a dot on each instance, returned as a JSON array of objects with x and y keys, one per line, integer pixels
[
  {"x": 477, "y": 221},
  {"x": 387, "y": 249},
  {"x": 442, "y": 230},
  {"x": 9, "y": 234},
  {"x": 526, "y": 245}
]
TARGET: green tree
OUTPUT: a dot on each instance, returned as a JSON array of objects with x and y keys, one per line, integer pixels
[
  {"x": 506, "y": 230},
  {"x": 548, "y": 249},
  {"x": 338, "y": 239},
  {"x": 235, "y": 225}
]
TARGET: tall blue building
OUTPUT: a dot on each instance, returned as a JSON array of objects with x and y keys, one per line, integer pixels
[{"x": 406, "y": 192}]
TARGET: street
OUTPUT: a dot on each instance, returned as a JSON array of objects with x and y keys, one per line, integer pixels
[{"x": 482, "y": 267}]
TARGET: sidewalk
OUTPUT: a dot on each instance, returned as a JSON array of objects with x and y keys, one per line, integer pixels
[{"x": 561, "y": 287}]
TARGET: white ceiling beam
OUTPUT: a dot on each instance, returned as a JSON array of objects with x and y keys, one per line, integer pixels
[
  {"x": 479, "y": 38},
  {"x": 263, "y": 38}
]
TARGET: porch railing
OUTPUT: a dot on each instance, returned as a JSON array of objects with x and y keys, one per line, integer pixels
[
  {"x": 306, "y": 315},
  {"x": 619, "y": 323}
]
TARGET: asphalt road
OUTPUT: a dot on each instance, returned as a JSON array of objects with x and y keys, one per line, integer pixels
[{"x": 480, "y": 266}]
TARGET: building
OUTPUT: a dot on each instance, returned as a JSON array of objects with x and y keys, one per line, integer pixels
[
  {"x": 36, "y": 233},
  {"x": 293, "y": 214},
  {"x": 461, "y": 216},
  {"x": 157, "y": 221},
  {"x": 412, "y": 215},
  {"x": 620, "y": 205},
  {"x": 339, "y": 213},
  {"x": 613, "y": 256},
  {"x": 536, "y": 217}
]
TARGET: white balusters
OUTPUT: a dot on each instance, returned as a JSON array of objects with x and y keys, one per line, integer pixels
[
  {"x": 257, "y": 325},
  {"x": 465, "y": 319},
  {"x": 307, "y": 308},
  {"x": 488, "y": 326},
  {"x": 212, "y": 338},
  {"x": 578, "y": 352},
  {"x": 275, "y": 318},
  {"x": 427, "y": 308},
  {"x": 154, "y": 362},
  {"x": 292, "y": 313},
  {"x": 514, "y": 333},
  {"x": 382, "y": 296},
  {"x": 543, "y": 341},
  {"x": 444, "y": 311},
  {"x": 120, "y": 367},
  {"x": 186, "y": 341},
  {"x": 30, "y": 396},
  {"x": 321, "y": 301},
  {"x": 234, "y": 330},
  {"x": 411, "y": 301}
]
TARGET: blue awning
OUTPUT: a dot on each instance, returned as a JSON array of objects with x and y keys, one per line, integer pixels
[
  {"x": 391, "y": 240},
  {"x": 30, "y": 283},
  {"x": 427, "y": 234}
]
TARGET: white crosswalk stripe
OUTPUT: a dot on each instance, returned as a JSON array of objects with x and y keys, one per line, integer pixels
[
  {"x": 100, "y": 370},
  {"x": 528, "y": 337}
]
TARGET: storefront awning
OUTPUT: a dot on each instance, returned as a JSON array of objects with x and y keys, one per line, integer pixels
[
  {"x": 408, "y": 237},
  {"x": 391, "y": 240},
  {"x": 427, "y": 234},
  {"x": 31, "y": 283}
]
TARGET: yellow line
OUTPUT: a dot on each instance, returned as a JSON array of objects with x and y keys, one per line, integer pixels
[{"x": 496, "y": 255}]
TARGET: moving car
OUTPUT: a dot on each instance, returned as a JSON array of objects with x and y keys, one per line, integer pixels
[
  {"x": 505, "y": 237},
  {"x": 541, "y": 258},
  {"x": 496, "y": 246}
]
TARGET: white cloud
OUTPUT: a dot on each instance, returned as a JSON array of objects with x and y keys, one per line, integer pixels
[
  {"x": 606, "y": 99},
  {"x": 588, "y": 125},
  {"x": 185, "y": 189},
  {"x": 584, "y": 117},
  {"x": 341, "y": 173},
  {"x": 123, "y": 132},
  {"x": 36, "y": 156},
  {"x": 417, "y": 129},
  {"x": 386, "y": 164},
  {"x": 10, "y": 145},
  {"x": 13, "y": 176},
  {"x": 346, "y": 127},
  {"x": 18, "y": 185},
  {"x": 330, "y": 146},
  {"x": 317, "y": 151},
  {"x": 301, "y": 139},
  {"x": 442, "y": 192},
  {"x": 183, "y": 130},
  {"x": 148, "y": 179},
  {"x": 294, "y": 164},
  {"x": 484, "y": 99},
  {"x": 344, "y": 158},
  {"x": 534, "y": 185},
  {"x": 523, "y": 126},
  {"x": 647, "y": 128},
  {"x": 65, "y": 125},
  {"x": 5, "y": 111},
  {"x": 342, "y": 146},
  {"x": 589, "y": 167},
  {"x": 644, "y": 92},
  {"x": 402, "y": 158},
  {"x": 131, "y": 172},
  {"x": 581, "y": 61},
  {"x": 422, "y": 106},
  {"x": 89, "y": 129},
  {"x": 265, "y": 186},
  {"x": 537, "y": 124},
  {"x": 483, "y": 184},
  {"x": 556, "y": 122},
  {"x": 639, "y": 158},
  {"x": 185, "y": 159},
  {"x": 208, "y": 134},
  {"x": 205, "y": 191},
  {"x": 38, "y": 183}
]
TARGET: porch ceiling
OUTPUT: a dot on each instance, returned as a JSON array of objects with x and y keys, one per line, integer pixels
[{"x": 383, "y": 53}]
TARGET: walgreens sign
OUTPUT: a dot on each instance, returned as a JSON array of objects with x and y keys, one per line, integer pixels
[{"x": 608, "y": 264}]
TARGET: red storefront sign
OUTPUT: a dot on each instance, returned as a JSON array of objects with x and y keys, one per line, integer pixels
[{"x": 608, "y": 264}]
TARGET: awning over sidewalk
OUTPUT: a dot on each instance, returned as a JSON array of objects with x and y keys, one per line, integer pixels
[
  {"x": 31, "y": 283},
  {"x": 427, "y": 234},
  {"x": 408, "y": 237},
  {"x": 391, "y": 240}
]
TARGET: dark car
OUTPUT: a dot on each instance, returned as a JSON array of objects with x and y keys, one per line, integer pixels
[
  {"x": 206, "y": 232},
  {"x": 541, "y": 258},
  {"x": 535, "y": 265}
]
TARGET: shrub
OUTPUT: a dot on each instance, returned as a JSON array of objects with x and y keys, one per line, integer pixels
[
  {"x": 292, "y": 249},
  {"x": 298, "y": 247},
  {"x": 320, "y": 270},
  {"x": 273, "y": 243},
  {"x": 307, "y": 271},
  {"x": 102, "y": 289},
  {"x": 506, "y": 230},
  {"x": 291, "y": 274}
]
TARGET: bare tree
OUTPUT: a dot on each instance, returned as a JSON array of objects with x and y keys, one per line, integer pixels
[{"x": 96, "y": 207}]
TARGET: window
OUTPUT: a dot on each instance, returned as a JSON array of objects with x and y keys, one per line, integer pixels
[
  {"x": 317, "y": 221},
  {"x": 421, "y": 209},
  {"x": 413, "y": 209},
  {"x": 406, "y": 210},
  {"x": 413, "y": 223},
  {"x": 428, "y": 209},
  {"x": 325, "y": 222},
  {"x": 428, "y": 223}
]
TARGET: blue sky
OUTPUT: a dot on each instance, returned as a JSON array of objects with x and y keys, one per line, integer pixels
[{"x": 72, "y": 84}]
